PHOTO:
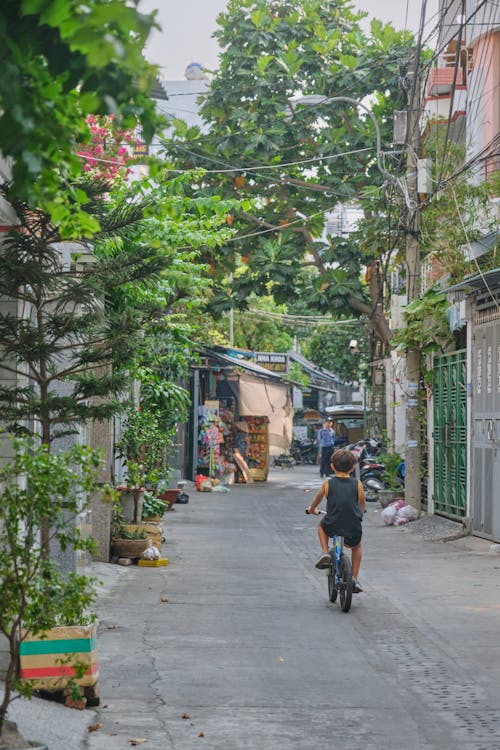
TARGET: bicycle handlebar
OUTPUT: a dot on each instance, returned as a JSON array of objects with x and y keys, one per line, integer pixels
[{"x": 319, "y": 513}]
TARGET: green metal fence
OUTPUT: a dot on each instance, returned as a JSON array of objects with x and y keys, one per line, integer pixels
[{"x": 450, "y": 434}]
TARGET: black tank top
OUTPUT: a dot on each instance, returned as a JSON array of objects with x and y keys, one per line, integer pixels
[{"x": 342, "y": 507}]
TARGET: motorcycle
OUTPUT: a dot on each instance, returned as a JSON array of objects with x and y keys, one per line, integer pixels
[
  {"x": 284, "y": 461},
  {"x": 305, "y": 452},
  {"x": 374, "y": 477}
]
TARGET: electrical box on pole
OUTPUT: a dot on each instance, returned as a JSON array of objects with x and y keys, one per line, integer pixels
[
  {"x": 400, "y": 128},
  {"x": 424, "y": 179}
]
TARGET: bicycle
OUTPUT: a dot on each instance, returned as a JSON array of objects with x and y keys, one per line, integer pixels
[{"x": 340, "y": 581}]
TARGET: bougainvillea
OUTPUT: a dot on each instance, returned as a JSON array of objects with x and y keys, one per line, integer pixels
[{"x": 110, "y": 149}]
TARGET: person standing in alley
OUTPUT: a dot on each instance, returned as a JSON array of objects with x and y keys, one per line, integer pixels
[{"x": 326, "y": 440}]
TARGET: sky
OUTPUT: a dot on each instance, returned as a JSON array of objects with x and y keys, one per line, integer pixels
[{"x": 187, "y": 27}]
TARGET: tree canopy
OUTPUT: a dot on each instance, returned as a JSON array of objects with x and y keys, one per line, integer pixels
[
  {"x": 62, "y": 60},
  {"x": 294, "y": 163}
]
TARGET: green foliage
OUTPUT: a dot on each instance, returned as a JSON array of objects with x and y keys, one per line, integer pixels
[
  {"x": 256, "y": 332},
  {"x": 35, "y": 486},
  {"x": 329, "y": 348},
  {"x": 121, "y": 532},
  {"x": 152, "y": 506},
  {"x": 459, "y": 213},
  {"x": 297, "y": 375},
  {"x": 143, "y": 445},
  {"x": 270, "y": 52},
  {"x": 392, "y": 462},
  {"x": 94, "y": 323},
  {"x": 75, "y": 334},
  {"x": 427, "y": 329},
  {"x": 63, "y": 60}
]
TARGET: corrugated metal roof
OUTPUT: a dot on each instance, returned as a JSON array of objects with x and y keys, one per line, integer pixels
[
  {"x": 312, "y": 368},
  {"x": 477, "y": 282},
  {"x": 245, "y": 364}
]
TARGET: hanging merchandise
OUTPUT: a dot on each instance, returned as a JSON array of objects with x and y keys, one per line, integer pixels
[
  {"x": 257, "y": 454},
  {"x": 215, "y": 440}
]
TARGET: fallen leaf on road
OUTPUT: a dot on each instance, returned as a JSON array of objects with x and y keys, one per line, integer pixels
[
  {"x": 94, "y": 727},
  {"x": 201, "y": 734},
  {"x": 137, "y": 741},
  {"x": 281, "y": 659},
  {"x": 112, "y": 627},
  {"x": 163, "y": 599},
  {"x": 185, "y": 716}
]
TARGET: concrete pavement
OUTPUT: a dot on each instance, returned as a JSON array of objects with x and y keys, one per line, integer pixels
[{"x": 235, "y": 645}]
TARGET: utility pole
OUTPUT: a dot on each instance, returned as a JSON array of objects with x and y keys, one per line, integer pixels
[{"x": 413, "y": 458}]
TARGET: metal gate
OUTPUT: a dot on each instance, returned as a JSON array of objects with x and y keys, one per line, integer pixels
[
  {"x": 450, "y": 434},
  {"x": 485, "y": 498}
]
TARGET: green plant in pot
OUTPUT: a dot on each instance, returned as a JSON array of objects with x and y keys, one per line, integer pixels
[
  {"x": 38, "y": 487},
  {"x": 152, "y": 507},
  {"x": 136, "y": 479},
  {"x": 142, "y": 446},
  {"x": 392, "y": 478}
]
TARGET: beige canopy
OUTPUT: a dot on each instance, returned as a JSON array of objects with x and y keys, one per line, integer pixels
[{"x": 260, "y": 397}]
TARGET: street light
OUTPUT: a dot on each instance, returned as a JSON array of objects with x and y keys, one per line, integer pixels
[{"x": 313, "y": 100}]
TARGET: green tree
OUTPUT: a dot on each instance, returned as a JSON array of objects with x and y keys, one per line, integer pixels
[
  {"x": 63, "y": 60},
  {"x": 330, "y": 348},
  {"x": 35, "y": 596},
  {"x": 258, "y": 328},
  {"x": 294, "y": 166},
  {"x": 67, "y": 358}
]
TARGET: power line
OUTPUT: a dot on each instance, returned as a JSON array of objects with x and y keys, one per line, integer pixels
[{"x": 302, "y": 320}]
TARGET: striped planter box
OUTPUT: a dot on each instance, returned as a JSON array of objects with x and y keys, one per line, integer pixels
[{"x": 48, "y": 659}]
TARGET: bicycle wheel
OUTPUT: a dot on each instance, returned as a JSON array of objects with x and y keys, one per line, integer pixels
[
  {"x": 345, "y": 584},
  {"x": 332, "y": 588}
]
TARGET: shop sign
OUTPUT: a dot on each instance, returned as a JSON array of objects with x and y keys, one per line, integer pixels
[{"x": 274, "y": 361}]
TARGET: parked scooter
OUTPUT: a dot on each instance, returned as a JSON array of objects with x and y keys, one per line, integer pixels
[
  {"x": 284, "y": 461},
  {"x": 305, "y": 451}
]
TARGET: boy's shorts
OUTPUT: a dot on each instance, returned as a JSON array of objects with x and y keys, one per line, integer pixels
[{"x": 350, "y": 541}]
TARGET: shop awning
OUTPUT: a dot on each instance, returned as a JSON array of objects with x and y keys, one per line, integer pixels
[
  {"x": 488, "y": 279},
  {"x": 245, "y": 364}
]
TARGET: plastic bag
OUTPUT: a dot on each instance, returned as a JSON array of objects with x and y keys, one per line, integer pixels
[
  {"x": 182, "y": 498},
  {"x": 389, "y": 514},
  {"x": 405, "y": 514},
  {"x": 151, "y": 552},
  {"x": 203, "y": 483}
]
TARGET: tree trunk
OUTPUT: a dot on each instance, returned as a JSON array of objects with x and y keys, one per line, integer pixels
[
  {"x": 377, "y": 318},
  {"x": 45, "y": 530}
]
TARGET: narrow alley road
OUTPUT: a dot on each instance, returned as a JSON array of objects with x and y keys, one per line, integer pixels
[{"x": 235, "y": 645}]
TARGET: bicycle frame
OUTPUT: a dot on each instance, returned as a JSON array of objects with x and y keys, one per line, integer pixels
[
  {"x": 339, "y": 572},
  {"x": 337, "y": 548}
]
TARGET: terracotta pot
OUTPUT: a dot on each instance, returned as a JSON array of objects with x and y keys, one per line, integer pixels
[
  {"x": 169, "y": 496},
  {"x": 132, "y": 548}
]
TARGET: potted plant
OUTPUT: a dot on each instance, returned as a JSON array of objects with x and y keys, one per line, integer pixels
[
  {"x": 39, "y": 605},
  {"x": 392, "y": 477},
  {"x": 153, "y": 508},
  {"x": 129, "y": 541},
  {"x": 142, "y": 445}
]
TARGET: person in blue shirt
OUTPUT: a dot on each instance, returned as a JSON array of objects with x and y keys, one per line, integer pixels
[{"x": 326, "y": 440}]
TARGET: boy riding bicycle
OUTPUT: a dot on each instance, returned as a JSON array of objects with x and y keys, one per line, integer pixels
[{"x": 345, "y": 505}]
